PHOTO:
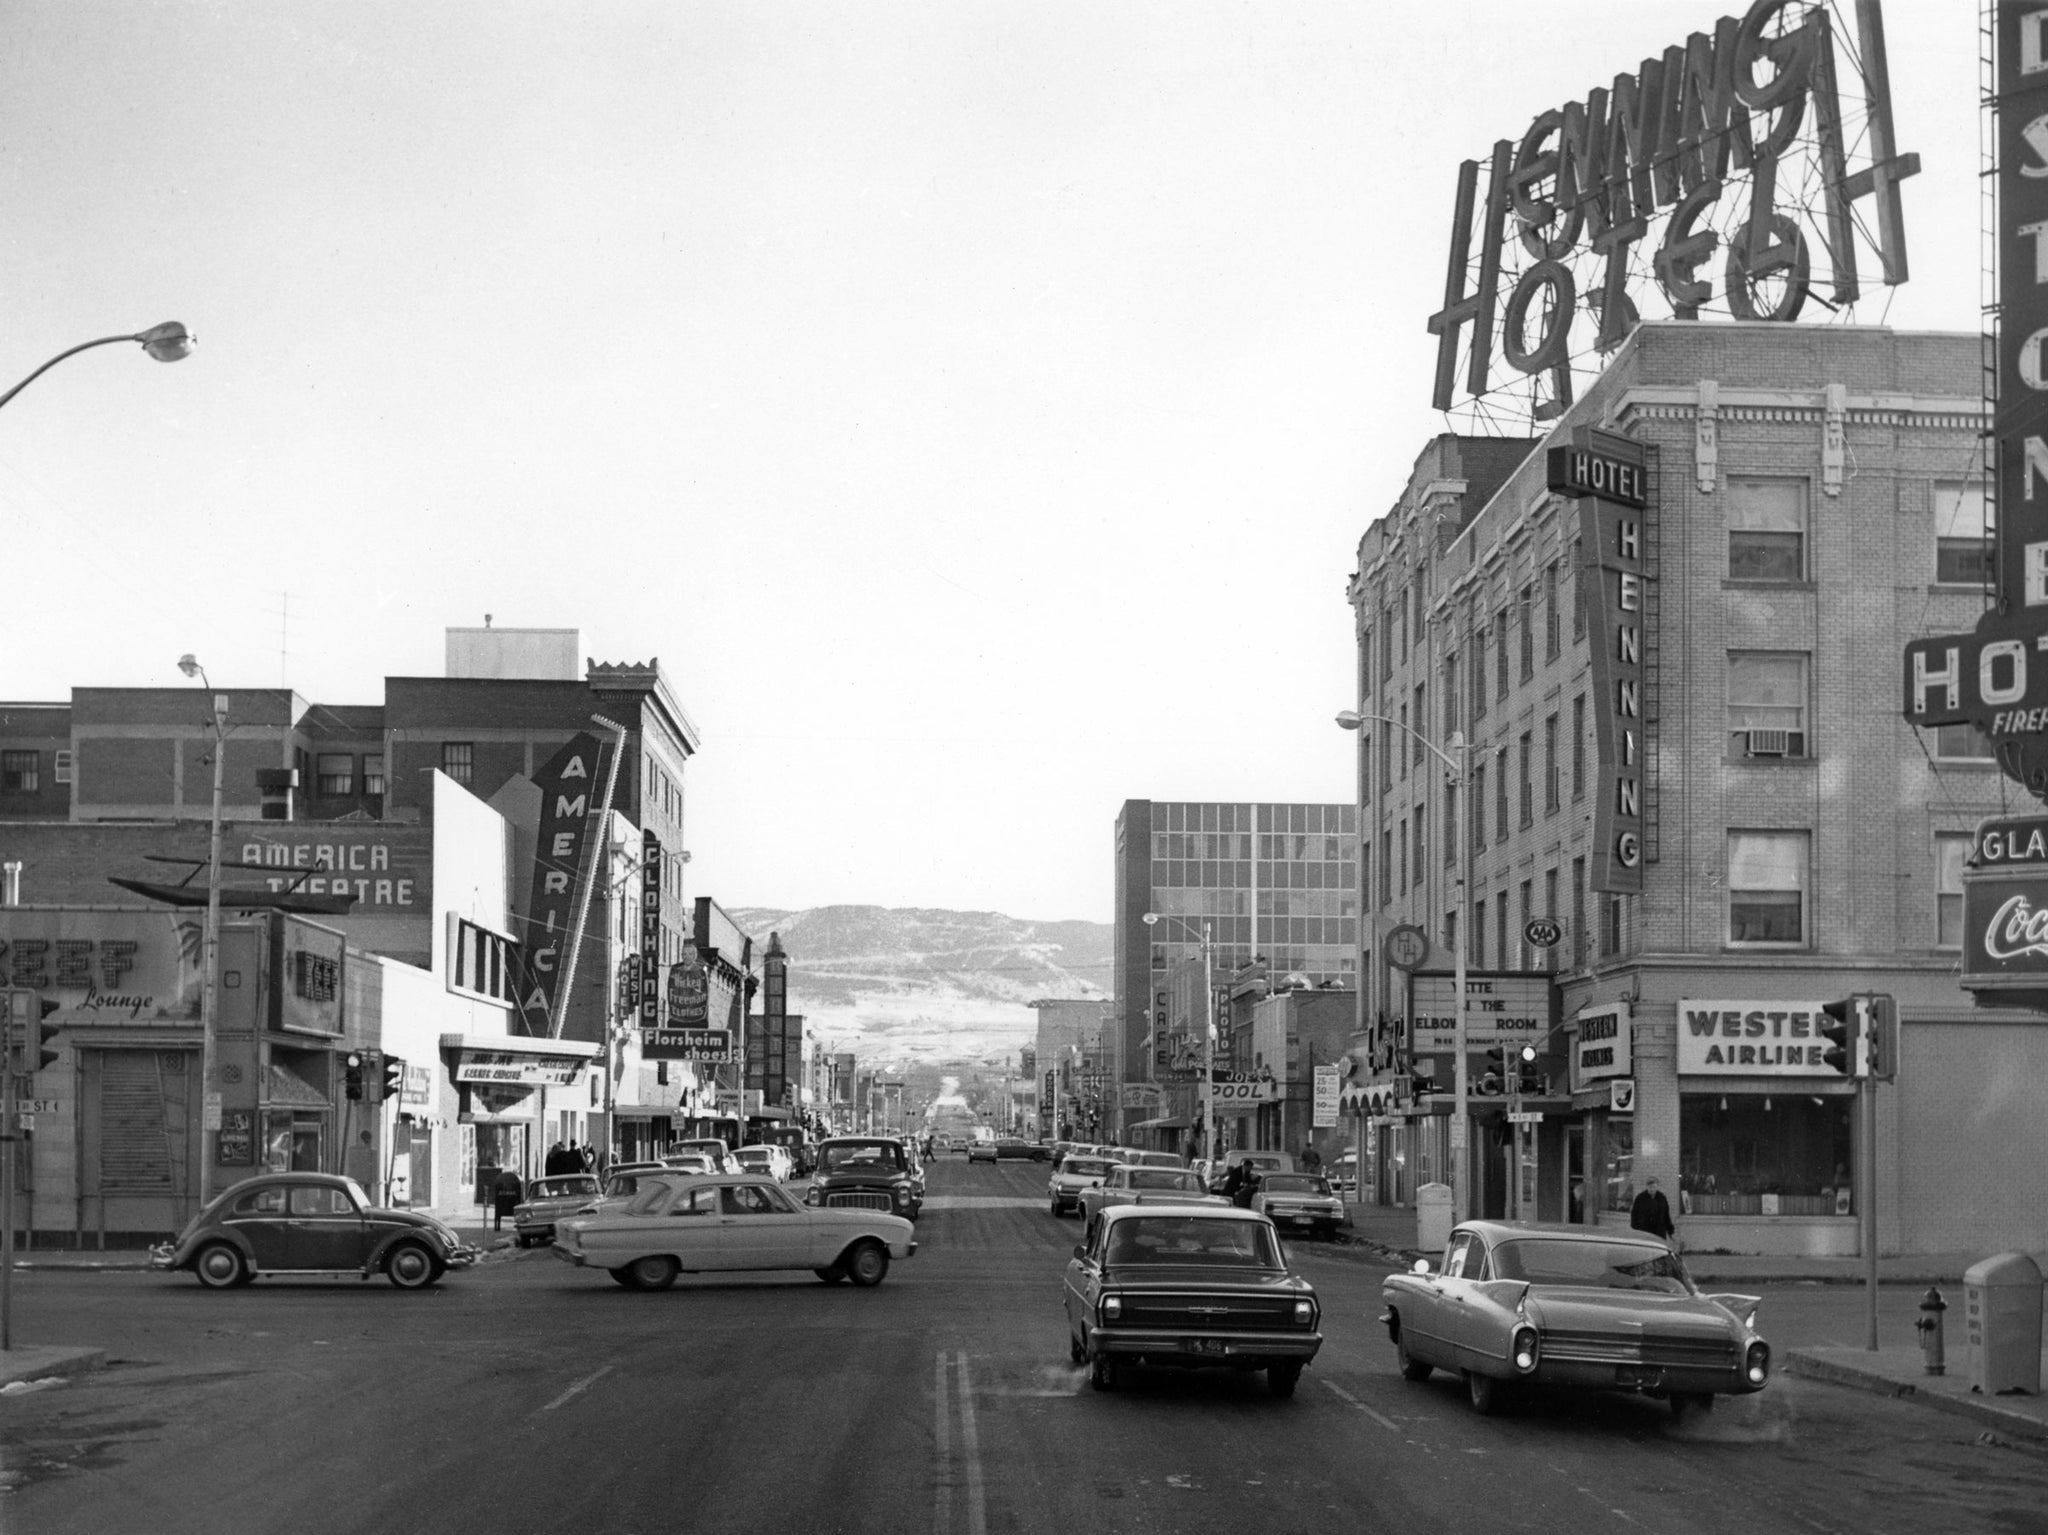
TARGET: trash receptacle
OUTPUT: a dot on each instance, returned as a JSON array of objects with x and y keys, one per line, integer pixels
[
  {"x": 2002, "y": 1324},
  {"x": 1433, "y": 1217}
]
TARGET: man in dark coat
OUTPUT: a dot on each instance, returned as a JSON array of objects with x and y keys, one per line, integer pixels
[{"x": 1652, "y": 1211}]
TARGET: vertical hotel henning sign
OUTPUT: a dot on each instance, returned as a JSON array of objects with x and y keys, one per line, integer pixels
[
  {"x": 1607, "y": 476},
  {"x": 1997, "y": 677}
]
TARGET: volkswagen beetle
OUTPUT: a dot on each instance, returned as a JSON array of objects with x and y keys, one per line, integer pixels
[{"x": 310, "y": 1223}]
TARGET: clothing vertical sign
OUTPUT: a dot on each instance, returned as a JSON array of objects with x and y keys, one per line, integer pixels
[{"x": 649, "y": 1002}]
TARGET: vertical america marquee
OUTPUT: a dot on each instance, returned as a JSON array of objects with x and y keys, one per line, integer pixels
[{"x": 1997, "y": 677}]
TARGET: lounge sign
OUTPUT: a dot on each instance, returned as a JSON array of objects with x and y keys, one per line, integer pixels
[
  {"x": 1752, "y": 1039},
  {"x": 1614, "y": 512},
  {"x": 1996, "y": 678},
  {"x": 1645, "y": 187},
  {"x": 1501, "y": 1007}
]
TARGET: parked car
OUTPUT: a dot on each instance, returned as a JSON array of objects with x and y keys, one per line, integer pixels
[
  {"x": 692, "y": 1224},
  {"x": 1344, "y": 1175},
  {"x": 1014, "y": 1148},
  {"x": 866, "y": 1172},
  {"x": 547, "y": 1199},
  {"x": 1299, "y": 1201},
  {"x": 1538, "y": 1305},
  {"x": 1073, "y": 1175},
  {"x": 712, "y": 1148},
  {"x": 1136, "y": 1158},
  {"x": 769, "y": 1161},
  {"x": 1127, "y": 1185},
  {"x": 310, "y": 1223},
  {"x": 1188, "y": 1286}
]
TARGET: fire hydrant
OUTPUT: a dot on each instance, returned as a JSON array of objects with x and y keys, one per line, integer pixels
[{"x": 1929, "y": 1328}]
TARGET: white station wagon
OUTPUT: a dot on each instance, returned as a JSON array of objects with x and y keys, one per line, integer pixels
[{"x": 688, "y": 1223}]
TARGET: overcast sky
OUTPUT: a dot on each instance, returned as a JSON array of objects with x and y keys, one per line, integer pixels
[{"x": 974, "y": 406}]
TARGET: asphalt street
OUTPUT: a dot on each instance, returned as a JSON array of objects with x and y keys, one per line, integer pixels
[{"x": 528, "y": 1395}]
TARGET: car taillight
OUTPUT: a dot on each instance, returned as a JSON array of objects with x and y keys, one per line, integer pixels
[
  {"x": 1526, "y": 1349},
  {"x": 1758, "y": 1364},
  {"x": 1112, "y": 1307}
]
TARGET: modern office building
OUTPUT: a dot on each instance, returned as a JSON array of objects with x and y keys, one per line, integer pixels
[
  {"x": 1675, "y": 652},
  {"x": 1267, "y": 882}
]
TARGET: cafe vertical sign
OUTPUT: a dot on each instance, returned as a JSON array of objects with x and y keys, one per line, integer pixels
[
  {"x": 1608, "y": 476},
  {"x": 1996, "y": 678}
]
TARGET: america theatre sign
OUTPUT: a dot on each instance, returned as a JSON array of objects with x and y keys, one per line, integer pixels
[{"x": 1733, "y": 148}]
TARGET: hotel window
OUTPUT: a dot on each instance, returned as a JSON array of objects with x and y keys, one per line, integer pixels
[
  {"x": 1402, "y": 606},
  {"x": 1421, "y": 847},
  {"x": 334, "y": 773},
  {"x": 1386, "y": 867},
  {"x": 1528, "y": 785},
  {"x": 1451, "y": 724},
  {"x": 1404, "y": 854},
  {"x": 1478, "y": 807},
  {"x": 1578, "y": 580},
  {"x": 1766, "y": 530},
  {"x": 60, "y": 769},
  {"x": 1550, "y": 911},
  {"x": 1767, "y": 872},
  {"x": 1479, "y": 934},
  {"x": 1500, "y": 655},
  {"x": 1421, "y": 718},
  {"x": 1400, "y": 756},
  {"x": 1961, "y": 555},
  {"x": 20, "y": 772},
  {"x": 1365, "y": 663},
  {"x": 1421, "y": 595},
  {"x": 1500, "y": 929},
  {"x": 1500, "y": 796},
  {"x": 1550, "y": 775},
  {"x": 1553, "y": 644},
  {"x": 1525, "y": 621},
  {"x": 1579, "y": 747},
  {"x": 1528, "y": 911},
  {"x": 1961, "y": 743},
  {"x": 1578, "y": 929},
  {"x": 1951, "y": 851},
  {"x": 1766, "y": 703},
  {"x": 1386, "y": 643},
  {"x": 458, "y": 760},
  {"x": 373, "y": 773},
  {"x": 1478, "y": 674},
  {"x": 1450, "y": 822}
]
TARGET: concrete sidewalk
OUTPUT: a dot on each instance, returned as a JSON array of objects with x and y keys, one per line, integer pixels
[{"x": 476, "y": 1232}]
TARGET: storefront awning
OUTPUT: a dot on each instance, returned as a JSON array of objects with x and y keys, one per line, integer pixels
[
  {"x": 1170, "y": 1122},
  {"x": 289, "y": 1090},
  {"x": 515, "y": 1060}
]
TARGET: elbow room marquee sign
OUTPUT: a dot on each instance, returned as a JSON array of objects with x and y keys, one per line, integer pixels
[{"x": 1741, "y": 172}]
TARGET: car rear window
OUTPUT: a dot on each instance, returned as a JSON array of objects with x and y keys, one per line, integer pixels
[
  {"x": 1087, "y": 1167},
  {"x": 1160, "y": 1178},
  {"x": 1186, "y": 1240},
  {"x": 1293, "y": 1183},
  {"x": 1605, "y": 1265}
]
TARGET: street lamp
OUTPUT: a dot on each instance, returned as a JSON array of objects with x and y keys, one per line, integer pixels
[
  {"x": 209, "y": 1023},
  {"x": 167, "y": 342},
  {"x": 1460, "y": 768},
  {"x": 1207, "y": 1083}
]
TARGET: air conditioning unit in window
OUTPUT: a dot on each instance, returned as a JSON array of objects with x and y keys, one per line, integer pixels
[{"x": 1774, "y": 743}]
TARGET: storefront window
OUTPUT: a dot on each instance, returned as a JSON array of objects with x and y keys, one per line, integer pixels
[
  {"x": 1618, "y": 1165},
  {"x": 1749, "y": 1154}
]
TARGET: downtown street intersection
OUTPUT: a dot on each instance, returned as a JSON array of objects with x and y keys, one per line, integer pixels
[{"x": 526, "y": 1395}]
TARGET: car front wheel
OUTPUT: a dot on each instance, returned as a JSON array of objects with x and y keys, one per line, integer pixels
[
  {"x": 866, "y": 1264},
  {"x": 1281, "y": 1379},
  {"x": 1411, "y": 1367},
  {"x": 655, "y": 1273},
  {"x": 1104, "y": 1373},
  {"x": 624, "y": 1277},
  {"x": 219, "y": 1266},
  {"x": 832, "y": 1275},
  {"x": 410, "y": 1266}
]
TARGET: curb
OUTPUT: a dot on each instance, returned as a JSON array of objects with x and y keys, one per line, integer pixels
[
  {"x": 1811, "y": 1367},
  {"x": 23, "y": 1365}
]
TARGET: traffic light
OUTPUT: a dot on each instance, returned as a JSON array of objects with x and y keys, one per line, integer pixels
[
  {"x": 1528, "y": 1078},
  {"x": 1881, "y": 1037},
  {"x": 1494, "y": 1078},
  {"x": 394, "y": 1076},
  {"x": 352, "y": 1076},
  {"x": 1840, "y": 1034}
]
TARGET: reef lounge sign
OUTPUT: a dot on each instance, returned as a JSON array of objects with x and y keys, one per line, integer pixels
[
  {"x": 1997, "y": 677},
  {"x": 1607, "y": 475},
  {"x": 1634, "y": 189}
]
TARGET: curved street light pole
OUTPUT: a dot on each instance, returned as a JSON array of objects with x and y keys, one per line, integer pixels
[
  {"x": 1460, "y": 768},
  {"x": 209, "y": 981},
  {"x": 167, "y": 342}
]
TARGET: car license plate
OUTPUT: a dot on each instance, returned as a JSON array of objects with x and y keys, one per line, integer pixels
[
  {"x": 1208, "y": 1346},
  {"x": 1295, "y": 1218},
  {"x": 1638, "y": 1375}
]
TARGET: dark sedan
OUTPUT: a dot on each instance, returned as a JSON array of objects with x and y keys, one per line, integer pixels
[
  {"x": 1188, "y": 1287},
  {"x": 310, "y": 1223}
]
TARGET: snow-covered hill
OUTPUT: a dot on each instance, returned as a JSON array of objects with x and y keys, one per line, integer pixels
[{"x": 921, "y": 984}]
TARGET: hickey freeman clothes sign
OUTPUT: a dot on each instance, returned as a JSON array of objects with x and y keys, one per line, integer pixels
[
  {"x": 1697, "y": 146},
  {"x": 1996, "y": 678},
  {"x": 1752, "y": 1039},
  {"x": 1607, "y": 475}
]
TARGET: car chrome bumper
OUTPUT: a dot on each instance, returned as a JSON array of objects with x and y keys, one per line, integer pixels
[
  {"x": 568, "y": 1255},
  {"x": 164, "y": 1255},
  {"x": 1196, "y": 1346},
  {"x": 462, "y": 1257},
  {"x": 1652, "y": 1379}
]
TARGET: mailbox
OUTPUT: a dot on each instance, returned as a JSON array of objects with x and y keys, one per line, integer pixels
[
  {"x": 1433, "y": 1218},
  {"x": 2002, "y": 1324}
]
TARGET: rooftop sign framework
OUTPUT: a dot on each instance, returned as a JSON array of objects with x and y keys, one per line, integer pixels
[{"x": 1681, "y": 184}]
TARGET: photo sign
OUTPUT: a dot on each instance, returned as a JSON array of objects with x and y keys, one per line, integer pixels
[{"x": 1502, "y": 1007}]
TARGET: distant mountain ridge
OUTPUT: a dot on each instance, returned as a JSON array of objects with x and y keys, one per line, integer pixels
[{"x": 926, "y": 983}]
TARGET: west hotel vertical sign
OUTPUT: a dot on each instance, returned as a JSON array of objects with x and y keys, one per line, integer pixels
[{"x": 1607, "y": 475}]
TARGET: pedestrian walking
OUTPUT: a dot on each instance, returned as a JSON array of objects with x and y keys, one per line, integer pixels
[
  {"x": 1651, "y": 1212},
  {"x": 586, "y": 1159},
  {"x": 1311, "y": 1159}
]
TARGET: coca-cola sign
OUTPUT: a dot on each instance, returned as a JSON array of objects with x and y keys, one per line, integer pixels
[{"x": 2005, "y": 931}]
